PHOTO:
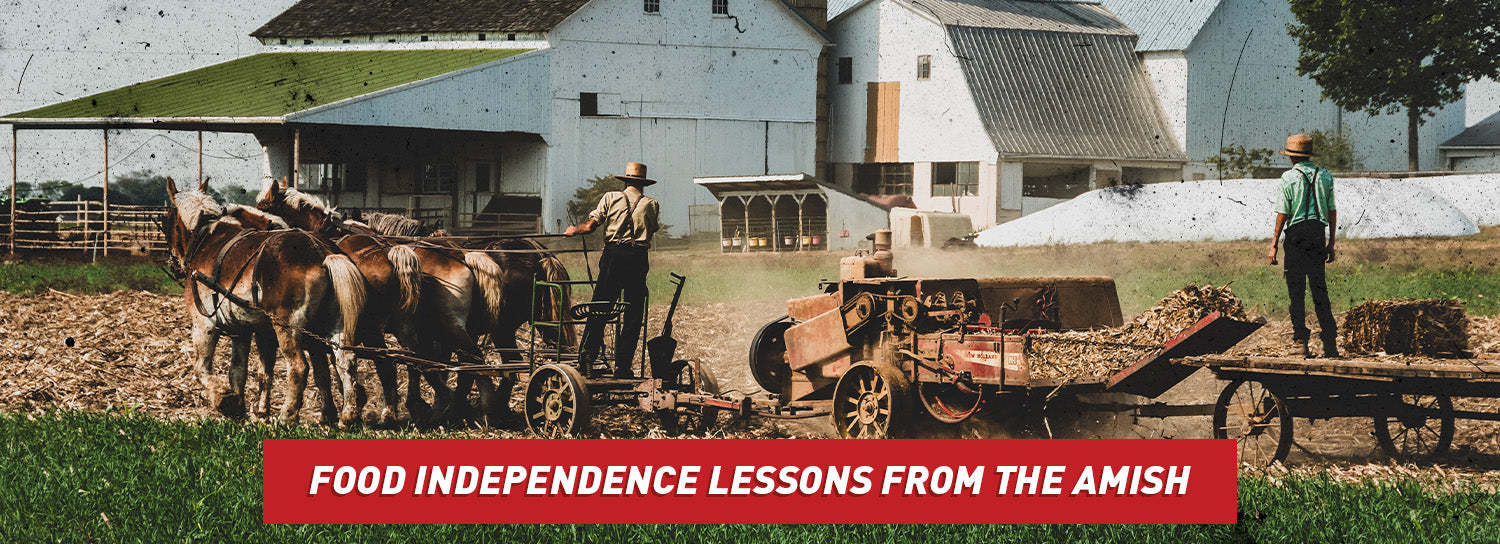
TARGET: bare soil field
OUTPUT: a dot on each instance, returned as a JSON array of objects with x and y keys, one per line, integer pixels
[{"x": 130, "y": 350}]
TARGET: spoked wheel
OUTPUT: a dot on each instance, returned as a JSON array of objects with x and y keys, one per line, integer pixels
[
  {"x": 871, "y": 400},
  {"x": 1409, "y": 432},
  {"x": 949, "y": 403},
  {"x": 1257, "y": 419},
  {"x": 557, "y": 401},
  {"x": 690, "y": 377}
]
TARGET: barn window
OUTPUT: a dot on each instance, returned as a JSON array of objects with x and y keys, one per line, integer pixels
[
  {"x": 846, "y": 70},
  {"x": 588, "y": 104},
  {"x": 481, "y": 36},
  {"x": 892, "y": 178},
  {"x": 955, "y": 178},
  {"x": 437, "y": 178},
  {"x": 924, "y": 67},
  {"x": 721, "y": 7},
  {"x": 653, "y": 6}
]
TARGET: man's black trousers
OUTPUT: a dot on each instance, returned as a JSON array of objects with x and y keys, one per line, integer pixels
[
  {"x": 1306, "y": 249},
  {"x": 622, "y": 269}
]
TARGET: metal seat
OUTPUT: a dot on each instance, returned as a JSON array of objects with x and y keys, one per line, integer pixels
[{"x": 600, "y": 309}]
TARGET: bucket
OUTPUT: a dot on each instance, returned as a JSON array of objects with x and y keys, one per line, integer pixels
[
  {"x": 788, "y": 241},
  {"x": 817, "y": 240},
  {"x": 727, "y": 242},
  {"x": 736, "y": 242}
]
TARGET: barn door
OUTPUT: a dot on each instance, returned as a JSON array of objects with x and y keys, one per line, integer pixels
[{"x": 882, "y": 121}]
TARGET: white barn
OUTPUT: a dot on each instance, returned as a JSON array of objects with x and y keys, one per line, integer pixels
[
  {"x": 1226, "y": 73},
  {"x": 477, "y": 110},
  {"x": 992, "y": 108}
]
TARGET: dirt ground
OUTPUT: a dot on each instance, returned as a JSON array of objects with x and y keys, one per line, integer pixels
[{"x": 131, "y": 350}]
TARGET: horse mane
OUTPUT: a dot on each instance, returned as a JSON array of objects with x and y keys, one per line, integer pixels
[
  {"x": 300, "y": 201},
  {"x": 236, "y": 210},
  {"x": 390, "y": 224},
  {"x": 197, "y": 209}
]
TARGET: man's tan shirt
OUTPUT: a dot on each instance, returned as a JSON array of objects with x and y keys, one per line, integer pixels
[{"x": 638, "y": 228}]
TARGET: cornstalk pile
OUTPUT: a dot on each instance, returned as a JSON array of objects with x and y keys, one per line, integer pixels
[
  {"x": 1099, "y": 353},
  {"x": 1425, "y": 327},
  {"x": 1484, "y": 334}
]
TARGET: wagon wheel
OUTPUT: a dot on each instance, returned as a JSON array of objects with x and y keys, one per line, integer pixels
[
  {"x": 950, "y": 403},
  {"x": 557, "y": 401},
  {"x": 1257, "y": 419},
  {"x": 1405, "y": 431},
  {"x": 690, "y": 377},
  {"x": 768, "y": 355},
  {"x": 871, "y": 400}
]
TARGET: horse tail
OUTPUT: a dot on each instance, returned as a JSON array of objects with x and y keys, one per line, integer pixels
[
  {"x": 409, "y": 276},
  {"x": 489, "y": 277},
  {"x": 554, "y": 271},
  {"x": 349, "y": 289}
]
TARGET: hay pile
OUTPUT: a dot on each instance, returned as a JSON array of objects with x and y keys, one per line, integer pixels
[
  {"x": 1099, "y": 353},
  {"x": 1424, "y": 327}
]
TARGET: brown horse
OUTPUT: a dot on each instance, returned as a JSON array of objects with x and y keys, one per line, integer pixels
[
  {"x": 279, "y": 287},
  {"x": 459, "y": 290}
]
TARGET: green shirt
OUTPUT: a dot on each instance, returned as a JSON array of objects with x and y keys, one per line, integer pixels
[{"x": 1295, "y": 201}]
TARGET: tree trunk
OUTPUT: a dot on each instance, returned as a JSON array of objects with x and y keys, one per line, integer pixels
[{"x": 1413, "y": 120}]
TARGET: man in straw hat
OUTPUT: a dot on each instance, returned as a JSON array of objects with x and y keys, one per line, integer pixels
[
  {"x": 1306, "y": 212},
  {"x": 629, "y": 219}
]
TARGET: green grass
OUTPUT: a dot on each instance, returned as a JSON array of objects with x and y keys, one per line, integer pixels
[
  {"x": 84, "y": 278},
  {"x": 64, "y": 473}
]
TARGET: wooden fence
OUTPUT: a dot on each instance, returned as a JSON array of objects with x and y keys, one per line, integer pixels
[{"x": 84, "y": 225}]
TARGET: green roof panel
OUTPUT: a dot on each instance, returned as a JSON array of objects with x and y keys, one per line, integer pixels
[{"x": 270, "y": 84}]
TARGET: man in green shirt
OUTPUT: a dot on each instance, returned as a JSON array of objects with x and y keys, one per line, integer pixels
[{"x": 1305, "y": 210}]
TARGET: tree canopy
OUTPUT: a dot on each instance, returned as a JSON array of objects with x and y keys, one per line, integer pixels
[{"x": 1384, "y": 56}]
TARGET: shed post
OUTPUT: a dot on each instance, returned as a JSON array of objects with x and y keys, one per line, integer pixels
[
  {"x": 296, "y": 157},
  {"x": 105, "y": 235},
  {"x": 200, "y": 156},
  {"x": 15, "y": 143}
]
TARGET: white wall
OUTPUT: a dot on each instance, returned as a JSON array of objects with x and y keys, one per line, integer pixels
[
  {"x": 696, "y": 97},
  {"x": 509, "y": 95},
  {"x": 856, "y": 35},
  {"x": 1269, "y": 101},
  {"x": 1168, "y": 71},
  {"x": 1481, "y": 100}
]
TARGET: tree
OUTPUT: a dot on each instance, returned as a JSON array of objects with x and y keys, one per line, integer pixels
[{"x": 1384, "y": 56}]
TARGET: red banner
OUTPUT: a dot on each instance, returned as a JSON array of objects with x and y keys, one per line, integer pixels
[{"x": 749, "y": 481}]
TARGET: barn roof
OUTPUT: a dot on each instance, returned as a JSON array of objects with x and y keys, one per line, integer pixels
[
  {"x": 1053, "y": 94},
  {"x": 1164, "y": 25},
  {"x": 334, "y": 18},
  {"x": 1077, "y": 16},
  {"x": 1485, "y": 133},
  {"x": 267, "y": 85}
]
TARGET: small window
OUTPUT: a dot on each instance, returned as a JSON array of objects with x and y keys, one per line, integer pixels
[
  {"x": 721, "y": 7},
  {"x": 306, "y": 42},
  {"x": 924, "y": 67},
  {"x": 588, "y": 104},
  {"x": 424, "y": 38},
  {"x": 883, "y": 178},
  {"x": 955, "y": 178},
  {"x": 481, "y": 36},
  {"x": 283, "y": 41},
  {"x": 437, "y": 178},
  {"x": 653, "y": 6},
  {"x": 482, "y": 177},
  {"x": 510, "y": 37},
  {"x": 846, "y": 70}
]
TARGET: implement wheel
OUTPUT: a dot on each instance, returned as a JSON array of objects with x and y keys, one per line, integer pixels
[
  {"x": 950, "y": 403},
  {"x": 690, "y": 377},
  {"x": 1409, "y": 432},
  {"x": 1257, "y": 419},
  {"x": 872, "y": 400},
  {"x": 557, "y": 401}
]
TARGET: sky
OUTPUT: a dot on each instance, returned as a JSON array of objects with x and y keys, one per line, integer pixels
[{"x": 56, "y": 51}]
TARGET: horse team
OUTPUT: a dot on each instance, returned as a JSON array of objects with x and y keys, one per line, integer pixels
[{"x": 302, "y": 283}]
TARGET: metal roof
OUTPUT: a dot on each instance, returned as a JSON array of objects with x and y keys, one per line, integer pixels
[
  {"x": 1164, "y": 25},
  {"x": 1047, "y": 16},
  {"x": 334, "y": 18},
  {"x": 1485, "y": 133},
  {"x": 1051, "y": 94},
  {"x": 1080, "y": 16},
  {"x": 268, "y": 84}
]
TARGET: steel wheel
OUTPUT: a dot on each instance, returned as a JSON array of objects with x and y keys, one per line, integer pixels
[
  {"x": 871, "y": 401},
  {"x": 949, "y": 403},
  {"x": 1407, "y": 432},
  {"x": 557, "y": 401},
  {"x": 690, "y": 377},
  {"x": 1257, "y": 419},
  {"x": 768, "y": 356}
]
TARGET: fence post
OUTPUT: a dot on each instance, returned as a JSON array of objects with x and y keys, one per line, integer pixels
[
  {"x": 15, "y": 143},
  {"x": 105, "y": 236}
]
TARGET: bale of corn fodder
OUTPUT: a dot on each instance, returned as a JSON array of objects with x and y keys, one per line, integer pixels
[
  {"x": 1432, "y": 326},
  {"x": 1097, "y": 353}
]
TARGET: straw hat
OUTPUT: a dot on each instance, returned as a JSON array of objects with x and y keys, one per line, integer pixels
[
  {"x": 635, "y": 173},
  {"x": 1299, "y": 145}
]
